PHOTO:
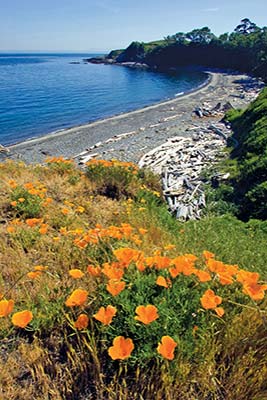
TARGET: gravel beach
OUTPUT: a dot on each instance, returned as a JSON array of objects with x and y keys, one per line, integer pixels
[{"x": 129, "y": 136}]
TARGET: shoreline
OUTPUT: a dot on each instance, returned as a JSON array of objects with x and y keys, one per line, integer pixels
[
  {"x": 135, "y": 127},
  {"x": 62, "y": 131}
]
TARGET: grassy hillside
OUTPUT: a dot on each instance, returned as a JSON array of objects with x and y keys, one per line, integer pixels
[
  {"x": 103, "y": 295},
  {"x": 247, "y": 187}
]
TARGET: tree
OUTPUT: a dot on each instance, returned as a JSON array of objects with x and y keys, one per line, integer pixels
[
  {"x": 180, "y": 37},
  {"x": 246, "y": 27},
  {"x": 202, "y": 35}
]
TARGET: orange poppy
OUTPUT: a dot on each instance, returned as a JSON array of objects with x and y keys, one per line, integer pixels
[
  {"x": 6, "y": 307},
  {"x": 114, "y": 286},
  {"x": 22, "y": 318},
  {"x": 225, "y": 279},
  {"x": 40, "y": 267},
  {"x": 126, "y": 229},
  {"x": 136, "y": 240},
  {"x": 94, "y": 271},
  {"x": 183, "y": 264},
  {"x": 105, "y": 315},
  {"x": 43, "y": 229},
  {"x": 34, "y": 274},
  {"x": 65, "y": 211},
  {"x": 160, "y": 262},
  {"x": 161, "y": 281},
  {"x": 247, "y": 277},
  {"x": 219, "y": 311},
  {"x": 121, "y": 349},
  {"x": 81, "y": 322},
  {"x": 203, "y": 276},
  {"x": 166, "y": 347},
  {"x": 209, "y": 300},
  {"x": 126, "y": 255},
  {"x": 146, "y": 314},
  {"x": 13, "y": 184},
  {"x": 76, "y": 273},
  {"x": 32, "y": 222},
  {"x": 113, "y": 271},
  {"x": 77, "y": 298},
  {"x": 255, "y": 291},
  {"x": 13, "y": 203},
  {"x": 207, "y": 254}
]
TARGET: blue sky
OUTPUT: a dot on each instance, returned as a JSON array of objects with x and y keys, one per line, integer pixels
[{"x": 102, "y": 25}]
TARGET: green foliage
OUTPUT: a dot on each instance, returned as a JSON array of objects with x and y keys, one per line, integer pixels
[
  {"x": 120, "y": 180},
  {"x": 27, "y": 205},
  {"x": 250, "y": 159}
]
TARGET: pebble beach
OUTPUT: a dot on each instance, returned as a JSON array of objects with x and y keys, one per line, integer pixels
[{"x": 129, "y": 136}]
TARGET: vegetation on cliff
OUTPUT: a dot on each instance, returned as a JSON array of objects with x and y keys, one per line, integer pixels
[
  {"x": 246, "y": 190},
  {"x": 245, "y": 49},
  {"x": 105, "y": 296}
]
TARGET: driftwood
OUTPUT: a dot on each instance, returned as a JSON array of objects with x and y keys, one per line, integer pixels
[{"x": 180, "y": 162}]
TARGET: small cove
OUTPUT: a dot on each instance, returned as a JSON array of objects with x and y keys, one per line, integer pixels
[{"x": 43, "y": 93}]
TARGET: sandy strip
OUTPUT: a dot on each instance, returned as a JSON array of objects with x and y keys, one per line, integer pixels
[{"x": 129, "y": 136}]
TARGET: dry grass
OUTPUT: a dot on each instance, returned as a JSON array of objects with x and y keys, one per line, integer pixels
[{"x": 224, "y": 359}]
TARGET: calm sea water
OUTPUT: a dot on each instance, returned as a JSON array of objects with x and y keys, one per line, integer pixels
[{"x": 42, "y": 93}]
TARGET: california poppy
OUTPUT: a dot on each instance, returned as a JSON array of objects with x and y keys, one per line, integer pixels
[
  {"x": 203, "y": 276},
  {"x": 207, "y": 254},
  {"x": 126, "y": 255},
  {"x": 209, "y": 300},
  {"x": 76, "y": 273},
  {"x": 121, "y": 349},
  {"x": 166, "y": 347},
  {"x": 146, "y": 314},
  {"x": 113, "y": 271},
  {"x": 94, "y": 271},
  {"x": 77, "y": 298},
  {"x": 43, "y": 229},
  {"x": 161, "y": 281},
  {"x": 81, "y": 322},
  {"x": 160, "y": 262},
  {"x": 32, "y": 222},
  {"x": 22, "y": 318},
  {"x": 255, "y": 291},
  {"x": 34, "y": 274},
  {"x": 40, "y": 267},
  {"x": 114, "y": 287},
  {"x": 219, "y": 311},
  {"x": 247, "y": 277},
  {"x": 105, "y": 315},
  {"x": 6, "y": 307}
]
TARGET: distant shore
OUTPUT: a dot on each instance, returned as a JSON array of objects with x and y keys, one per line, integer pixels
[{"x": 130, "y": 135}]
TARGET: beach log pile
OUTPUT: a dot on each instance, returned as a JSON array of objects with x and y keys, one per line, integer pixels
[{"x": 181, "y": 162}]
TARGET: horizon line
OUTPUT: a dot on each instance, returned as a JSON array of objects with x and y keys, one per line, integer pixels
[{"x": 55, "y": 51}]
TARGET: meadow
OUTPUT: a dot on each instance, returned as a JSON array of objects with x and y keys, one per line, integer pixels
[{"x": 103, "y": 295}]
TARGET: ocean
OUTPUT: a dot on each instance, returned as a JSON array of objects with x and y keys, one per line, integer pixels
[{"x": 43, "y": 93}]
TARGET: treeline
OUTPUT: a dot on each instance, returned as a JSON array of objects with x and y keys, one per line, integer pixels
[{"x": 245, "y": 49}]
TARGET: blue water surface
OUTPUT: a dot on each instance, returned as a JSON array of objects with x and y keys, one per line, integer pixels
[{"x": 42, "y": 93}]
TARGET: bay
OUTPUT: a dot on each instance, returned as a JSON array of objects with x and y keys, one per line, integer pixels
[{"x": 43, "y": 93}]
